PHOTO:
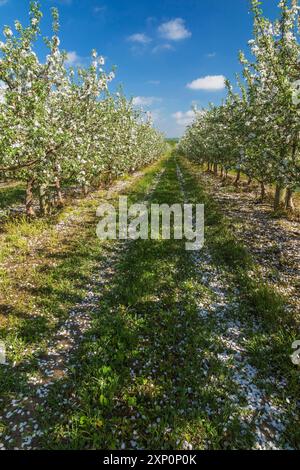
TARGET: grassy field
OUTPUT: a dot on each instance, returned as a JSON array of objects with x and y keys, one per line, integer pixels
[{"x": 182, "y": 351}]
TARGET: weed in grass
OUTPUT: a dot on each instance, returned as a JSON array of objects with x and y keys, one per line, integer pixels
[
  {"x": 264, "y": 302},
  {"x": 228, "y": 251}
]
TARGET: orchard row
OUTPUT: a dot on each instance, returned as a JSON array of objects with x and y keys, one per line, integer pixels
[
  {"x": 60, "y": 125},
  {"x": 256, "y": 129}
]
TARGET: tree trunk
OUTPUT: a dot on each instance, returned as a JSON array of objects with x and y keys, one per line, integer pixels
[
  {"x": 85, "y": 189},
  {"x": 60, "y": 199},
  {"x": 29, "y": 199},
  {"x": 249, "y": 181},
  {"x": 277, "y": 198},
  {"x": 222, "y": 172},
  {"x": 215, "y": 169},
  {"x": 208, "y": 167},
  {"x": 289, "y": 203},
  {"x": 43, "y": 199},
  {"x": 262, "y": 191},
  {"x": 238, "y": 177}
]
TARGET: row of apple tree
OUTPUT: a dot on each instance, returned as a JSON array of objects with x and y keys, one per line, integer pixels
[
  {"x": 255, "y": 130},
  {"x": 60, "y": 125}
]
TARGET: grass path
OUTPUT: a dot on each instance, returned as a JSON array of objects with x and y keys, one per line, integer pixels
[
  {"x": 169, "y": 356},
  {"x": 33, "y": 368}
]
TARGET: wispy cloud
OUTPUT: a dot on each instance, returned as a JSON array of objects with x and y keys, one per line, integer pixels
[
  {"x": 208, "y": 83},
  {"x": 99, "y": 9},
  {"x": 162, "y": 48},
  {"x": 157, "y": 116},
  {"x": 145, "y": 100},
  {"x": 174, "y": 30},
  {"x": 3, "y": 2},
  {"x": 153, "y": 82},
  {"x": 184, "y": 118},
  {"x": 140, "y": 38},
  {"x": 150, "y": 21},
  {"x": 73, "y": 59},
  {"x": 211, "y": 55}
]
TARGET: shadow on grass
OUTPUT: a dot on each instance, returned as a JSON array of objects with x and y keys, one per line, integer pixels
[
  {"x": 138, "y": 379},
  {"x": 269, "y": 347},
  {"x": 11, "y": 195}
]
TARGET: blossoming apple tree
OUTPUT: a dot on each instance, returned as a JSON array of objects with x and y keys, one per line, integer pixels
[
  {"x": 259, "y": 130},
  {"x": 59, "y": 124}
]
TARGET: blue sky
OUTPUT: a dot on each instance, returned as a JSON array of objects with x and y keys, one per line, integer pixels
[{"x": 170, "y": 54}]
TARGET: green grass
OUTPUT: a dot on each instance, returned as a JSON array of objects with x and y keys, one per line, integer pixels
[
  {"x": 270, "y": 347},
  {"x": 139, "y": 382},
  {"x": 38, "y": 286},
  {"x": 147, "y": 374},
  {"x": 226, "y": 250},
  {"x": 11, "y": 194},
  {"x": 43, "y": 273}
]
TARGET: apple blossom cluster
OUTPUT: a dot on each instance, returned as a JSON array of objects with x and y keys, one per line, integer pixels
[
  {"x": 60, "y": 125},
  {"x": 256, "y": 128}
]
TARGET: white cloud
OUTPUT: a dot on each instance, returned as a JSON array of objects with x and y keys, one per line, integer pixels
[
  {"x": 3, "y": 2},
  {"x": 156, "y": 115},
  {"x": 162, "y": 48},
  {"x": 145, "y": 100},
  {"x": 174, "y": 30},
  {"x": 209, "y": 83},
  {"x": 211, "y": 55},
  {"x": 140, "y": 38},
  {"x": 99, "y": 9},
  {"x": 184, "y": 119},
  {"x": 154, "y": 82},
  {"x": 73, "y": 59}
]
